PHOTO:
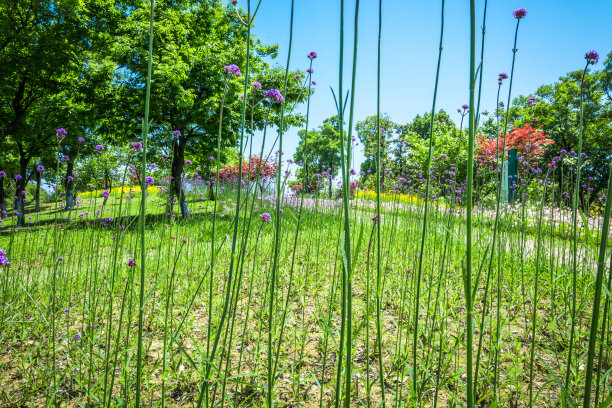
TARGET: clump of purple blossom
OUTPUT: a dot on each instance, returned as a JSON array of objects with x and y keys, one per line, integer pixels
[
  {"x": 3, "y": 259},
  {"x": 265, "y": 217},
  {"x": 232, "y": 68},
  {"x": 592, "y": 57},
  {"x": 274, "y": 94},
  {"x": 519, "y": 13}
]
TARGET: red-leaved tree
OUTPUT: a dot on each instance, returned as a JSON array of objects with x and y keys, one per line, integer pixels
[
  {"x": 229, "y": 174},
  {"x": 530, "y": 142}
]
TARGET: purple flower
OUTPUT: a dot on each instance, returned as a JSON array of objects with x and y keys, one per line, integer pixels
[
  {"x": 256, "y": 85},
  {"x": 232, "y": 68},
  {"x": 312, "y": 55},
  {"x": 465, "y": 106},
  {"x": 274, "y": 94},
  {"x": 297, "y": 76},
  {"x": 443, "y": 156},
  {"x": 105, "y": 194},
  {"x": 17, "y": 176},
  {"x": 77, "y": 336},
  {"x": 40, "y": 169},
  {"x": 314, "y": 82},
  {"x": 66, "y": 310},
  {"x": 212, "y": 157},
  {"x": 149, "y": 180},
  {"x": 2, "y": 174},
  {"x": 3, "y": 259},
  {"x": 503, "y": 76},
  {"x": 60, "y": 134},
  {"x": 69, "y": 178},
  {"x": 592, "y": 57},
  {"x": 99, "y": 147},
  {"x": 519, "y": 13},
  {"x": 176, "y": 133},
  {"x": 137, "y": 145},
  {"x": 131, "y": 262},
  {"x": 310, "y": 70},
  {"x": 265, "y": 217},
  {"x": 375, "y": 219},
  {"x": 188, "y": 162}
]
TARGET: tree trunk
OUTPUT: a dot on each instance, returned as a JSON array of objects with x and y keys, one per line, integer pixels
[
  {"x": 68, "y": 185},
  {"x": 329, "y": 177},
  {"x": 37, "y": 194},
  {"x": 108, "y": 184},
  {"x": 306, "y": 187},
  {"x": 176, "y": 181},
  {"x": 2, "y": 199},
  {"x": 19, "y": 188}
]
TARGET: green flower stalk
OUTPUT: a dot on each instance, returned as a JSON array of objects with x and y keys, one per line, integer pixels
[
  {"x": 467, "y": 273},
  {"x": 277, "y": 225},
  {"x": 592, "y": 57},
  {"x": 143, "y": 203},
  {"x": 425, "y": 213},
  {"x": 379, "y": 292},
  {"x": 348, "y": 271}
]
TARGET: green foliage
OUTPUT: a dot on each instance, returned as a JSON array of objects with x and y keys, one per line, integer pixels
[
  {"x": 558, "y": 114},
  {"x": 368, "y": 136},
  {"x": 319, "y": 151}
]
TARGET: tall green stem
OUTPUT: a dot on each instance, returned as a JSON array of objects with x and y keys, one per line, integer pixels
[
  {"x": 143, "y": 201},
  {"x": 603, "y": 247},
  {"x": 467, "y": 278},
  {"x": 575, "y": 203},
  {"x": 378, "y": 247},
  {"x": 346, "y": 164},
  {"x": 277, "y": 226},
  {"x": 426, "y": 211}
]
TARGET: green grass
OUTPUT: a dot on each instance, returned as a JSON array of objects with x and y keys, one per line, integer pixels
[{"x": 306, "y": 307}]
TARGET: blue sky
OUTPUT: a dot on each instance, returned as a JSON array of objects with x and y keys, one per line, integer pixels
[{"x": 553, "y": 39}]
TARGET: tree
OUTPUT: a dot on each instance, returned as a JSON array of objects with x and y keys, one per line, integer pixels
[
  {"x": 47, "y": 50},
  {"x": 368, "y": 136},
  {"x": 531, "y": 143},
  {"x": 318, "y": 153},
  {"x": 557, "y": 113},
  {"x": 193, "y": 42}
]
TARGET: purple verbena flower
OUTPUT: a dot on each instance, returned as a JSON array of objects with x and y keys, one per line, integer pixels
[
  {"x": 60, "y": 134},
  {"x": 312, "y": 55},
  {"x": 519, "y": 13},
  {"x": 274, "y": 94},
  {"x": 232, "y": 68},
  {"x": 137, "y": 145},
  {"x": 99, "y": 147},
  {"x": 40, "y": 168},
  {"x": 265, "y": 217},
  {"x": 256, "y": 85},
  {"x": 592, "y": 57}
]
